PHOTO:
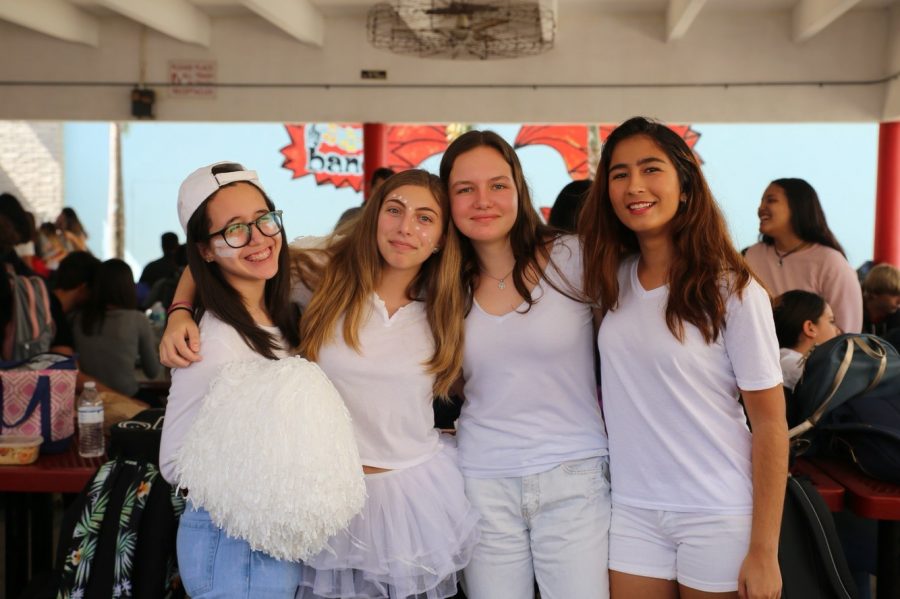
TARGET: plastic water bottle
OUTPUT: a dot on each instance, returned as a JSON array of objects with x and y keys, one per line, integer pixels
[
  {"x": 90, "y": 422},
  {"x": 157, "y": 315}
]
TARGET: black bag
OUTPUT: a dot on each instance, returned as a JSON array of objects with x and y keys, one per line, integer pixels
[
  {"x": 812, "y": 562},
  {"x": 848, "y": 401},
  {"x": 118, "y": 537},
  {"x": 138, "y": 438}
]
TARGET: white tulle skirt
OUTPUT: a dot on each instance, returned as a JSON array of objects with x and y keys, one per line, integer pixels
[{"x": 415, "y": 533}]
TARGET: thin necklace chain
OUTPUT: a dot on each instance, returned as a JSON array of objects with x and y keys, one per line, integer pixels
[
  {"x": 782, "y": 256},
  {"x": 501, "y": 282}
]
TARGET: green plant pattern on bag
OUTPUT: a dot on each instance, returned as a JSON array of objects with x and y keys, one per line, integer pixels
[{"x": 77, "y": 568}]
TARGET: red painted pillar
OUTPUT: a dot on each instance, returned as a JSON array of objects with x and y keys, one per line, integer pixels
[
  {"x": 887, "y": 204},
  {"x": 374, "y": 152}
]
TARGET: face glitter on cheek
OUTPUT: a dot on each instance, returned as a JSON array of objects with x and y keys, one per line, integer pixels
[
  {"x": 427, "y": 240},
  {"x": 223, "y": 250}
]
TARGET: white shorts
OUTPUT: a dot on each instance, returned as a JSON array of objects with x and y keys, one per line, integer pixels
[{"x": 701, "y": 551}]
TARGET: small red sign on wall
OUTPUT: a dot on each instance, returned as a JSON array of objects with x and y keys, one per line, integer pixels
[{"x": 192, "y": 78}]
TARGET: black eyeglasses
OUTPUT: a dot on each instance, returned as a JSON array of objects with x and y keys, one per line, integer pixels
[{"x": 237, "y": 235}]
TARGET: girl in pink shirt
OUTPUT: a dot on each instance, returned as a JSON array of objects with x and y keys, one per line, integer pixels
[{"x": 798, "y": 251}]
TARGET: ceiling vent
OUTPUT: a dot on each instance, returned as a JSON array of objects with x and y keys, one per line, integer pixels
[{"x": 483, "y": 29}]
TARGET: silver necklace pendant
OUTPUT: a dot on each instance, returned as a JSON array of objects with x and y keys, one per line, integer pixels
[{"x": 501, "y": 284}]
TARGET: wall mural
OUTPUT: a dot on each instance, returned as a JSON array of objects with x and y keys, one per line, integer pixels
[
  {"x": 571, "y": 141},
  {"x": 333, "y": 152}
]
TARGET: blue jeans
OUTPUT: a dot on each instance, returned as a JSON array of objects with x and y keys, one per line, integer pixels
[
  {"x": 212, "y": 564},
  {"x": 553, "y": 526}
]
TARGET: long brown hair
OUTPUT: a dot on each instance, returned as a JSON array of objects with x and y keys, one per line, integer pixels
[
  {"x": 529, "y": 237},
  {"x": 704, "y": 261},
  {"x": 112, "y": 287},
  {"x": 216, "y": 294},
  {"x": 68, "y": 221},
  {"x": 807, "y": 217},
  {"x": 346, "y": 273}
]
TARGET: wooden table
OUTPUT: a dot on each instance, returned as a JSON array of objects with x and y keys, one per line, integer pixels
[
  {"x": 870, "y": 498},
  {"x": 27, "y": 491}
]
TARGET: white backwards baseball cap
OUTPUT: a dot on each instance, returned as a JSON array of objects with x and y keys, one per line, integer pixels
[{"x": 202, "y": 183}]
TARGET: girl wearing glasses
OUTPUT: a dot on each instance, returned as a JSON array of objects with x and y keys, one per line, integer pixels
[
  {"x": 383, "y": 319},
  {"x": 243, "y": 299}
]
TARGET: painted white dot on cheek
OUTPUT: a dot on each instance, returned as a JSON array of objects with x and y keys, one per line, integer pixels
[{"x": 223, "y": 250}]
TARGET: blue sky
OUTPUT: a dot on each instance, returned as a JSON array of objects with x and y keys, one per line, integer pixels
[{"x": 839, "y": 160}]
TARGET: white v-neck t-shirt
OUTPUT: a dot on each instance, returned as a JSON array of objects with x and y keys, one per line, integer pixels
[
  {"x": 385, "y": 385},
  {"x": 678, "y": 437},
  {"x": 531, "y": 395}
]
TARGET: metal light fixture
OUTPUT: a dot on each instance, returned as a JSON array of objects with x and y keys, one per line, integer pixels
[{"x": 482, "y": 29}]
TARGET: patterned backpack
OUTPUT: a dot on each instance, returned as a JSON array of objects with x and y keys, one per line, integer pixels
[
  {"x": 31, "y": 329},
  {"x": 118, "y": 538}
]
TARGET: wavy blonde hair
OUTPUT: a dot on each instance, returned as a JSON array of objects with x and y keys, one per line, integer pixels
[{"x": 345, "y": 274}]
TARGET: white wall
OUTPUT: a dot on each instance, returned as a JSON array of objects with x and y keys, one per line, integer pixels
[
  {"x": 31, "y": 166},
  {"x": 593, "y": 49}
]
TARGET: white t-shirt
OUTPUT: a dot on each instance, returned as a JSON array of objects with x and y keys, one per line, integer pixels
[
  {"x": 791, "y": 366},
  {"x": 385, "y": 386},
  {"x": 678, "y": 437},
  {"x": 222, "y": 345},
  {"x": 531, "y": 396}
]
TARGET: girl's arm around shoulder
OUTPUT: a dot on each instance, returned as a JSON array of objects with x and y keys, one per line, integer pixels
[
  {"x": 309, "y": 257},
  {"x": 180, "y": 343}
]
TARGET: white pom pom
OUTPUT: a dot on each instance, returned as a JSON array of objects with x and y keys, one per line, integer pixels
[{"x": 273, "y": 459}]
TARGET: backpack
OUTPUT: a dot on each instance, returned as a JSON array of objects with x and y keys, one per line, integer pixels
[
  {"x": 848, "y": 402},
  {"x": 812, "y": 562},
  {"x": 30, "y": 331},
  {"x": 118, "y": 538}
]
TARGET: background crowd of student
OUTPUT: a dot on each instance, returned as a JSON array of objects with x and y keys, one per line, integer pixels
[{"x": 93, "y": 305}]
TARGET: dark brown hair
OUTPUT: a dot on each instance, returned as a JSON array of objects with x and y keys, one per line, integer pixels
[
  {"x": 68, "y": 221},
  {"x": 215, "y": 293},
  {"x": 791, "y": 310},
  {"x": 807, "y": 217},
  {"x": 704, "y": 261},
  {"x": 113, "y": 287}
]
